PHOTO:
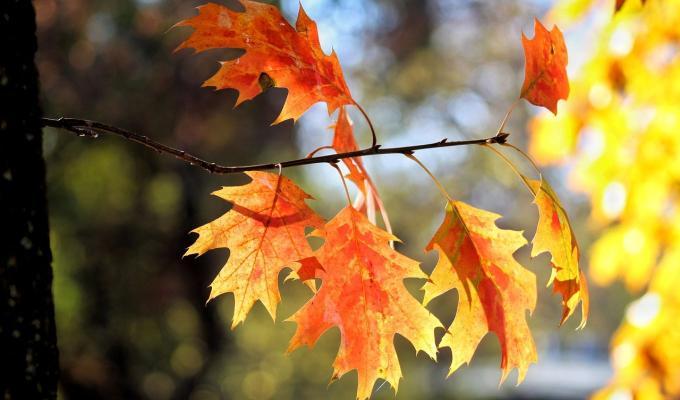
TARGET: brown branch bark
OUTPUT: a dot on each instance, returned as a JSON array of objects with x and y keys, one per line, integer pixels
[{"x": 92, "y": 129}]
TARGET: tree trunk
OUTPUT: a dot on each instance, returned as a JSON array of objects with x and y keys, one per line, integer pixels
[{"x": 28, "y": 349}]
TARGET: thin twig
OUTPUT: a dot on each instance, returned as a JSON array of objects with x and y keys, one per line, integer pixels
[{"x": 89, "y": 128}]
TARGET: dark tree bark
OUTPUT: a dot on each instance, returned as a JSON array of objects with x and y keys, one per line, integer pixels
[{"x": 28, "y": 349}]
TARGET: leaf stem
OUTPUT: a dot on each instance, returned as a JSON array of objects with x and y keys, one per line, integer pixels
[
  {"x": 512, "y": 166},
  {"x": 374, "y": 138},
  {"x": 507, "y": 116},
  {"x": 540, "y": 175},
  {"x": 87, "y": 128},
  {"x": 434, "y": 179},
  {"x": 318, "y": 149},
  {"x": 344, "y": 182},
  {"x": 526, "y": 156}
]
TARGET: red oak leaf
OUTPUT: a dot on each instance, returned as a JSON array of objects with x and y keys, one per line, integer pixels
[
  {"x": 363, "y": 294},
  {"x": 276, "y": 54},
  {"x": 494, "y": 291},
  {"x": 545, "y": 75}
]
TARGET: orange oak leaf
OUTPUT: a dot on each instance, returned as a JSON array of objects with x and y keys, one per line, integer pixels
[
  {"x": 554, "y": 235},
  {"x": 545, "y": 75},
  {"x": 494, "y": 290},
  {"x": 309, "y": 269},
  {"x": 276, "y": 54},
  {"x": 368, "y": 199},
  {"x": 363, "y": 294},
  {"x": 265, "y": 233}
]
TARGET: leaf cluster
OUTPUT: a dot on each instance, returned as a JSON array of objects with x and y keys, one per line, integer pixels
[{"x": 362, "y": 291}]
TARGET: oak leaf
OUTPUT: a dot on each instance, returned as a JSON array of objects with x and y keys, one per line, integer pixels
[
  {"x": 554, "y": 235},
  {"x": 363, "y": 294},
  {"x": 276, "y": 54},
  {"x": 265, "y": 233},
  {"x": 545, "y": 75},
  {"x": 494, "y": 290}
]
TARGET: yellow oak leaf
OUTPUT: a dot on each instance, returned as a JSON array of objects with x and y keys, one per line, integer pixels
[
  {"x": 494, "y": 290},
  {"x": 265, "y": 233},
  {"x": 554, "y": 235}
]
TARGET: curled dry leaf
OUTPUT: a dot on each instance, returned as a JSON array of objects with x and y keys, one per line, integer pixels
[
  {"x": 276, "y": 54},
  {"x": 494, "y": 290},
  {"x": 363, "y": 294},
  {"x": 554, "y": 235},
  {"x": 545, "y": 74},
  {"x": 265, "y": 233},
  {"x": 368, "y": 199}
]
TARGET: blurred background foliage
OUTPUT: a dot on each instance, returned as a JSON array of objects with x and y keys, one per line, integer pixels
[
  {"x": 617, "y": 137},
  {"x": 131, "y": 312}
]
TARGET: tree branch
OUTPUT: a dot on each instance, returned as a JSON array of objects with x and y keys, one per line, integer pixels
[{"x": 88, "y": 128}]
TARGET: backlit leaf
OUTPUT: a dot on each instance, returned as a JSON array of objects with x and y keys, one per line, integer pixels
[
  {"x": 363, "y": 294},
  {"x": 494, "y": 291},
  {"x": 554, "y": 235},
  {"x": 545, "y": 74},
  {"x": 276, "y": 54},
  {"x": 265, "y": 233}
]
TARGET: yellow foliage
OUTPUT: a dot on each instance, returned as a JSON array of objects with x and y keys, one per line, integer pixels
[
  {"x": 624, "y": 251},
  {"x": 645, "y": 350},
  {"x": 620, "y": 132}
]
